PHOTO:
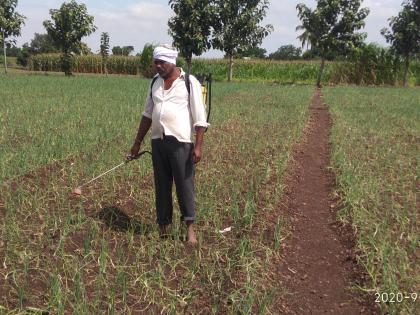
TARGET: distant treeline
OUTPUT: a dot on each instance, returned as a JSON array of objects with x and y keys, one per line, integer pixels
[{"x": 365, "y": 70}]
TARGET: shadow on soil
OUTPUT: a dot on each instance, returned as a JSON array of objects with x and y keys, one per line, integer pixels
[{"x": 117, "y": 220}]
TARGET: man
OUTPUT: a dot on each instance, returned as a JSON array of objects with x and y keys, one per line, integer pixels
[{"x": 174, "y": 115}]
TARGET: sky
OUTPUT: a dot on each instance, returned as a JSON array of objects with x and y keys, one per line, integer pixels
[{"x": 135, "y": 23}]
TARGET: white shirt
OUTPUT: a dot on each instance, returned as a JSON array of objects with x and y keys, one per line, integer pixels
[{"x": 170, "y": 112}]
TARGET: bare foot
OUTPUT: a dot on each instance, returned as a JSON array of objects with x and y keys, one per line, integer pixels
[{"x": 191, "y": 237}]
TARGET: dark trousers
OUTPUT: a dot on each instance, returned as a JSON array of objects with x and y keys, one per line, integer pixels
[{"x": 172, "y": 162}]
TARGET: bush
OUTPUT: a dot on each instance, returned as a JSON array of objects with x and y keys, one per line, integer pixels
[
  {"x": 370, "y": 65},
  {"x": 146, "y": 61}
]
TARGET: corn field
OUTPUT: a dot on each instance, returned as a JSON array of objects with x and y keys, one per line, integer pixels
[
  {"x": 86, "y": 64},
  {"x": 381, "y": 72}
]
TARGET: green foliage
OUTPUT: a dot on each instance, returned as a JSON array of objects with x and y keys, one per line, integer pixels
[
  {"x": 147, "y": 67},
  {"x": 122, "y": 51},
  {"x": 42, "y": 44},
  {"x": 68, "y": 26},
  {"x": 303, "y": 72},
  {"x": 286, "y": 52},
  {"x": 369, "y": 65},
  {"x": 247, "y": 70},
  {"x": 404, "y": 34},
  {"x": 10, "y": 23},
  {"x": 237, "y": 26},
  {"x": 332, "y": 26},
  {"x": 190, "y": 28},
  {"x": 11, "y": 61},
  {"x": 116, "y": 50},
  {"x": 83, "y": 49},
  {"x": 253, "y": 52},
  {"x": 314, "y": 53},
  {"x": 104, "y": 50},
  {"x": 23, "y": 55},
  {"x": 12, "y": 50}
]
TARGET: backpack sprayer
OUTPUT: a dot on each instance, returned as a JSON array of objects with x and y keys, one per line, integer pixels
[{"x": 205, "y": 81}]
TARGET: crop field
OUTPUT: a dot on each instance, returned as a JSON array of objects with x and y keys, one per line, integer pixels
[
  {"x": 101, "y": 253},
  {"x": 376, "y": 134},
  {"x": 253, "y": 70}
]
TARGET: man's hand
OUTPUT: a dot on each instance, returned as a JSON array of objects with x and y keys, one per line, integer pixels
[
  {"x": 196, "y": 154},
  {"x": 134, "y": 149},
  {"x": 144, "y": 126},
  {"x": 199, "y": 135}
]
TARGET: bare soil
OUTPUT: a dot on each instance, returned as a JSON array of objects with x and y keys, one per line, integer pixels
[{"x": 318, "y": 266}]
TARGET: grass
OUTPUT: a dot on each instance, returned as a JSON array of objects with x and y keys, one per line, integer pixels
[
  {"x": 375, "y": 156},
  {"x": 101, "y": 252},
  {"x": 11, "y": 61}
]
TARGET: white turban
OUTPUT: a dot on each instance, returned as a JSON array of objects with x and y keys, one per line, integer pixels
[{"x": 165, "y": 53}]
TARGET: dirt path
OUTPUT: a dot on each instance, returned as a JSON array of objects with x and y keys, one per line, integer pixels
[{"x": 318, "y": 267}]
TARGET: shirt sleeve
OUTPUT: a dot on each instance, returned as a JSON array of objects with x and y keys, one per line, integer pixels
[
  {"x": 198, "y": 111},
  {"x": 148, "y": 108}
]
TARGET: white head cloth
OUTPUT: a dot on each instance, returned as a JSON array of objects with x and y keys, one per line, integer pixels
[{"x": 165, "y": 53}]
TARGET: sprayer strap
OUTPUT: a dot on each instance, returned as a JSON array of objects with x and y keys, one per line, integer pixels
[{"x": 188, "y": 86}]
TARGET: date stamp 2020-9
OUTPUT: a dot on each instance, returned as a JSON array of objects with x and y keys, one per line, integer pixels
[{"x": 393, "y": 297}]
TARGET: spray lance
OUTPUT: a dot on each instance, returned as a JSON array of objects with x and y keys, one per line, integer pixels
[{"x": 78, "y": 190}]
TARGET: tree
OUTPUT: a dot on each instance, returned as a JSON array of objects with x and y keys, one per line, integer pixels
[
  {"x": 404, "y": 34},
  {"x": 146, "y": 61},
  {"x": 42, "y": 44},
  {"x": 12, "y": 50},
  {"x": 305, "y": 37},
  {"x": 69, "y": 24},
  {"x": 315, "y": 53},
  {"x": 237, "y": 26},
  {"x": 122, "y": 51},
  {"x": 10, "y": 24},
  {"x": 286, "y": 52},
  {"x": 253, "y": 52},
  {"x": 331, "y": 27},
  {"x": 190, "y": 28},
  {"x": 127, "y": 50},
  {"x": 104, "y": 50},
  {"x": 83, "y": 49},
  {"x": 24, "y": 55},
  {"x": 117, "y": 50}
]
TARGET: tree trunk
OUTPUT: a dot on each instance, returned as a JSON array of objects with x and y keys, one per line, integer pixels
[
  {"x": 4, "y": 51},
  {"x": 66, "y": 63},
  {"x": 189, "y": 61},
  {"x": 407, "y": 64},
  {"x": 230, "y": 67},
  {"x": 321, "y": 70},
  {"x": 395, "y": 70}
]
